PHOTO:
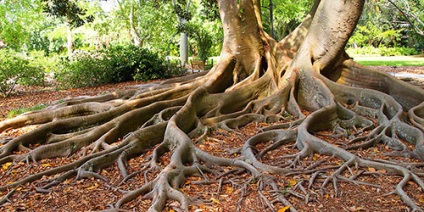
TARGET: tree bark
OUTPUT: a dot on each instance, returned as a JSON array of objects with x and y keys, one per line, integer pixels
[{"x": 183, "y": 48}]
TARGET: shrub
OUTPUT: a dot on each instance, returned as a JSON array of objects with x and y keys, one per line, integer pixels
[
  {"x": 83, "y": 69},
  {"x": 113, "y": 65},
  {"x": 47, "y": 63},
  {"x": 17, "y": 69},
  {"x": 135, "y": 63}
]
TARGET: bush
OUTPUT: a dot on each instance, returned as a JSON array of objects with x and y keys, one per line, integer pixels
[
  {"x": 83, "y": 69},
  {"x": 47, "y": 63},
  {"x": 135, "y": 63},
  {"x": 17, "y": 69},
  {"x": 113, "y": 65}
]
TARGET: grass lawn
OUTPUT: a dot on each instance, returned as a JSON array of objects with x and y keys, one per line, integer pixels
[{"x": 416, "y": 60}]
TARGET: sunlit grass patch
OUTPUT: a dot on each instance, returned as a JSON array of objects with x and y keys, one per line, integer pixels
[
  {"x": 391, "y": 61},
  {"x": 18, "y": 111}
]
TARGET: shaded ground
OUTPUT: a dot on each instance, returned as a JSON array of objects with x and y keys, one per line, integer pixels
[{"x": 225, "y": 194}]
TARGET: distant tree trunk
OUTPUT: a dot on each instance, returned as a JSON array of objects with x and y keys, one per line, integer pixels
[
  {"x": 183, "y": 35},
  {"x": 183, "y": 48},
  {"x": 138, "y": 41},
  {"x": 271, "y": 18},
  {"x": 70, "y": 44}
]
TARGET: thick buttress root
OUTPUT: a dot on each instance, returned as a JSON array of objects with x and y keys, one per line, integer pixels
[{"x": 320, "y": 121}]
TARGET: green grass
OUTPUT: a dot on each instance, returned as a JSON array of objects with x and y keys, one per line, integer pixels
[
  {"x": 16, "y": 112},
  {"x": 416, "y": 60}
]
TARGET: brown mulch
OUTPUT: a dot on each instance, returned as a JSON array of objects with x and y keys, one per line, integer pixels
[
  {"x": 26, "y": 97},
  {"x": 237, "y": 191},
  {"x": 94, "y": 194}
]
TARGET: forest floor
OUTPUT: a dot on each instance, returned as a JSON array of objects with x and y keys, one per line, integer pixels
[{"x": 93, "y": 194}]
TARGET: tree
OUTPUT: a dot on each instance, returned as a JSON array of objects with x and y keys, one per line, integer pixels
[
  {"x": 280, "y": 17},
  {"x": 148, "y": 23},
  {"x": 73, "y": 14},
  {"x": 306, "y": 81},
  {"x": 390, "y": 23},
  {"x": 18, "y": 19},
  {"x": 182, "y": 9}
]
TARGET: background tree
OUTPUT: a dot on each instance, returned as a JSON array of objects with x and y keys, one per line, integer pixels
[
  {"x": 146, "y": 21},
  {"x": 19, "y": 22},
  {"x": 305, "y": 85},
  {"x": 74, "y": 15},
  {"x": 283, "y": 16},
  {"x": 182, "y": 10},
  {"x": 390, "y": 24}
]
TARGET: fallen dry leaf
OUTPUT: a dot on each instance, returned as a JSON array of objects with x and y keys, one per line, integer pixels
[
  {"x": 215, "y": 200},
  {"x": 283, "y": 209},
  {"x": 371, "y": 169},
  {"x": 229, "y": 190},
  {"x": 6, "y": 165},
  {"x": 292, "y": 182},
  {"x": 93, "y": 187}
]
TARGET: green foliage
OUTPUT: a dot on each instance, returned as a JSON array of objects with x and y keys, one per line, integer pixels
[
  {"x": 371, "y": 35},
  {"x": 205, "y": 32},
  {"x": 396, "y": 63},
  {"x": 17, "y": 69},
  {"x": 84, "y": 69},
  {"x": 135, "y": 63},
  {"x": 202, "y": 38},
  {"x": 287, "y": 15},
  {"x": 150, "y": 22},
  {"x": 115, "y": 64},
  {"x": 68, "y": 9},
  {"x": 181, "y": 12},
  {"x": 210, "y": 9},
  {"x": 48, "y": 64},
  {"x": 204, "y": 41},
  {"x": 18, "y": 20},
  {"x": 57, "y": 39},
  {"x": 382, "y": 51},
  {"x": 383, "y": 24}
]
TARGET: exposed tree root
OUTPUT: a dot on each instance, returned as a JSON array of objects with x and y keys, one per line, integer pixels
[{"x": 313, "y": 100}]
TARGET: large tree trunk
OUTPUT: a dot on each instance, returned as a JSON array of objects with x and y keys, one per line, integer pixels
[{"x": 306, "y": 81}]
